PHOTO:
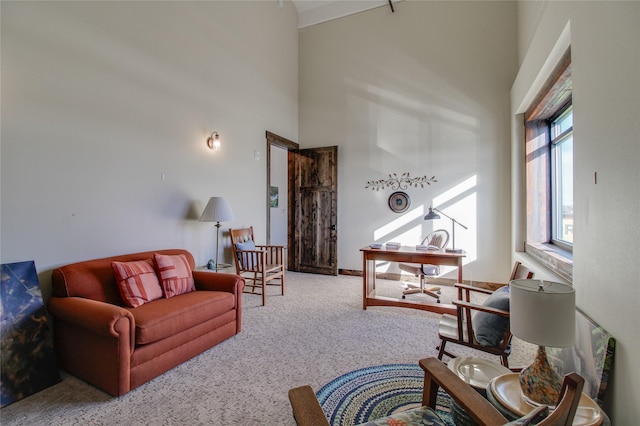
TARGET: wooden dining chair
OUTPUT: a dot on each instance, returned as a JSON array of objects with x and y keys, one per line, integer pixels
[
  {"x": 260, "y": 265},
  {"x": 485, "y": 326}
]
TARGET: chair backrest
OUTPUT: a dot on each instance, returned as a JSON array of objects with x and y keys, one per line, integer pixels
[
  {"x": 438, "y": 238},
  {"x": 520, "y": 272},
  {"x": 241, "y": 235},
  {"x": 569, "y": 400},
  {"x": 247, "y": 261}
]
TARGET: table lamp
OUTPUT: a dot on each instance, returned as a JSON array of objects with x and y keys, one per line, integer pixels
[
  {"x": 217, "y": 210},
  {"x": 542, "y": 313}
]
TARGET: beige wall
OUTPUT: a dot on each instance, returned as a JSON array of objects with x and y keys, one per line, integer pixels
[
  {"x": 101, "y": 99},
  {"x": 606, "y": 86},
  {"x": 424, "y": 90}
]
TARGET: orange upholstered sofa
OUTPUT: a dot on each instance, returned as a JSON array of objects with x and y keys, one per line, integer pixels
[{"x": 117, "y": 348}]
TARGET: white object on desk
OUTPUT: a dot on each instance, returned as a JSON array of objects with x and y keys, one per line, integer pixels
[{"x": 427, "y": 247}]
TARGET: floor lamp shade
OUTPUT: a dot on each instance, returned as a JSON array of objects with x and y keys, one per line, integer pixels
[
  {"x": 217, "y": 210},
  {"x": 542, "y": 313}
]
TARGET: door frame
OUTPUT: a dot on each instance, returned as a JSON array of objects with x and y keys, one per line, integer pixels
[{"x": 290, "y": 146}]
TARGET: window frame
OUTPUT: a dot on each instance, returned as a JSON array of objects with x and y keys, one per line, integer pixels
[
  {"x": 555, "y": 95},
  {"x": 556, "y": 209}
]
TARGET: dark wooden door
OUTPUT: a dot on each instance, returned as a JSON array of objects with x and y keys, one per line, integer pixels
[{"x": 315, "y": 215}]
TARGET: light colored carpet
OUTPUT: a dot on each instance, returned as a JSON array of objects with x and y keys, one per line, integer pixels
[{"x": 313, "y": 334}]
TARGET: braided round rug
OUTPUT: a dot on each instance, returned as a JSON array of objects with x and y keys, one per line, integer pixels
[{"x": 374, "y": 392}]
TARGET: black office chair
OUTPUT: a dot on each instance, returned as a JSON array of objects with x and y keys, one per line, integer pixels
[{"x": 437, "y": 240}]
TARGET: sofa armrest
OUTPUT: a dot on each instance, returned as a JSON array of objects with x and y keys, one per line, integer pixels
[
  {"x": 94, "y": 316},
  {"x": 210, "y": 281},
  {"x": 89, "y": 333}
]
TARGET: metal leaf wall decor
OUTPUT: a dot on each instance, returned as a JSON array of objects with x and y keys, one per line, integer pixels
[{"x": 400, "y": 182}]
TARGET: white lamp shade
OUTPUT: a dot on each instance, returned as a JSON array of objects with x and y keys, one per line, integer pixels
[
  {"x": 544, "y": 318},
  {"x": 217, "y": 210}
]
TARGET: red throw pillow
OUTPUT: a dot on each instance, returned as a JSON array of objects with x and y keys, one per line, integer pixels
[
  {"x": 175, "y": 274},
  {"x": 137, "y": 282}
]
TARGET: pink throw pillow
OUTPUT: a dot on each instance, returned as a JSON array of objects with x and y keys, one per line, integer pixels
[
  {"x": 175, "y": 274},
  {"x": 137, "y": 282}
]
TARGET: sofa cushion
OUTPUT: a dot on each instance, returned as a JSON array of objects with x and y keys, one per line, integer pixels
[
  {"x": 175, "y": 274},
  {"x": 137, "y": 282},
  {"x": 166, "y": 317},
  {"x": 490, "y": 329}
]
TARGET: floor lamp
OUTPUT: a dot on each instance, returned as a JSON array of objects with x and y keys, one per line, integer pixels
[
  {"x": 431, "y": 215},
  {"x": 217, "y": 210}
]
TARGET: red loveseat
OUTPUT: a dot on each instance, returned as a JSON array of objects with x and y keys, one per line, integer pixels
[{"x": 118, "y": 348}]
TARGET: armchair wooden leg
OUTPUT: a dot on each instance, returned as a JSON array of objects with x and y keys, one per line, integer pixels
[
  {"x": 504, "y": 360},
  {"x": 441, "y": 351}
]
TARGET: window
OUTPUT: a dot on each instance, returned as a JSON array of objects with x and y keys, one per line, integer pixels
[
  {"x": 549, "y": 173},
  {"x": 561, "y": 128}
]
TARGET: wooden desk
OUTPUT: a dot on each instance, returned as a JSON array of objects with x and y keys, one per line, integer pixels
[{"x": 410, "y": 255}]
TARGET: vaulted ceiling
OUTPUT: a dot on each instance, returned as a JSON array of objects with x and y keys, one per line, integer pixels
[{"x": 311, "y": 12}]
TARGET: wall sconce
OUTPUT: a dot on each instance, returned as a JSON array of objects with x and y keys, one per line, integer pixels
[{"x": 213, "y": 141}]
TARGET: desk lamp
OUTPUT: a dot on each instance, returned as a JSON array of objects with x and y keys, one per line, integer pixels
[
  {"x": 217, "y": 210},
  {"x": 431, "y": 216},
  {"x": 542, "y": 313}
]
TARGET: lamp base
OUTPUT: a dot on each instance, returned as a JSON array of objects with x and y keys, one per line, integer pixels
[
  {"x": 539, "y": 382},
  {"x": 452, "y": 250}
]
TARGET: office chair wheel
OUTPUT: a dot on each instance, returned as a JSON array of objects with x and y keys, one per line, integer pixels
[
  {"x": 438, "y": 301},
  {"x": 404, "y": 296},
  {"x": 439, "y": 292}
]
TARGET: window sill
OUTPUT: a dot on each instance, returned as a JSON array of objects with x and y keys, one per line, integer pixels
[{"x": 558, "y": 261}]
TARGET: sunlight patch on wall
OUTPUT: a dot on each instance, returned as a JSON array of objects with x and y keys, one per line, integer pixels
[
  {"x": 388, "y": 232},
  {"x": 460, "y": 203}
]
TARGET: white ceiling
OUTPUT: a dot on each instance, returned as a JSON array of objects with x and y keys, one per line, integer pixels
[{"x": 311, "y": 12}]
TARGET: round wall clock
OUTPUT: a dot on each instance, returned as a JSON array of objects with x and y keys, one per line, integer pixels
[{"x": 399, "y": 202}]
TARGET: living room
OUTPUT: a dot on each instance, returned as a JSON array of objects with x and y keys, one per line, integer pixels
[{"x": 106, "y": 108}]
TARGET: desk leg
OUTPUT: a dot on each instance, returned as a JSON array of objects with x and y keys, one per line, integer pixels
[
  {"x": 460, "y": 270},
  {"x": 364, "y": 281},
  {"x": 368, "y": 279}
]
